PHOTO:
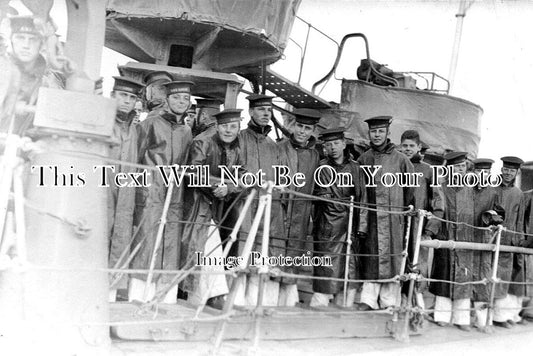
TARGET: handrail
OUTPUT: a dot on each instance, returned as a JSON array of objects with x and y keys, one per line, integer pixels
[
  {"x": 433, "y": 76},
  {"x": 303, "y": 49},
  {"x": 385, "y": 78}
]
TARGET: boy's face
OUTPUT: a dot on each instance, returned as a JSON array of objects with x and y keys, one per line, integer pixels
[
  {"x": 26, "y": 46},
  {"x": 410, "y": 147},
  {"x": 378, "y": 135},
  {"x": 228, "y": 132},
  {"x": 261, "y": 115},
  {"x": 302, "y": 132},
  {"x": 508, "y": 174},
  {"x": 179, "y": 103},
  {"x": 335, "y": 148},
  {"x": 125, "y": 101}
]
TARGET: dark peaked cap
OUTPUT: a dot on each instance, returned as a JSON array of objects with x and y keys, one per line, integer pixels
[
  {"x": 433, "y": 159},
  {"x": 157, "y": 76},
  {"x": 455, "y": 158},
  {"x": 483, "y": 163},
  {"x": 128, "y": 85},
  {"x": 306, "y": 116},
  {"x": 379, "y": 121},
  {"x": 24, "y": 24},
  {"x": 332, "y": 134},
  {"x": 228, "y": 115},
  {"x": 208, "y": 103},
  {"x": 259, "y": 100},
  {"x": 512, "y": 162}
]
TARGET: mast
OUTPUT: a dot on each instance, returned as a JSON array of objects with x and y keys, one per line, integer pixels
[{"x": 463, "y": 7}]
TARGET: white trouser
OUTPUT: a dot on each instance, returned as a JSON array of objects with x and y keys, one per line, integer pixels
[
  {"x": 516, "y": 308},
  {"x": 210, "y": 285},
  {"x": 288, "y": 295},
  {"x": 481, "y": 314},
  {"x": 382, "y": 295},
  {"x": 248, "y": 293},
  {"x": 503, "y": 309},
  {"x": 322, "y": 300},
  {"x": 456, "y": 312},
  {"x": 137, "y": 287}
]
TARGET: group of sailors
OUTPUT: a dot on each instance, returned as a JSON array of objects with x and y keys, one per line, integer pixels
[{"x": 198, "y": 219}]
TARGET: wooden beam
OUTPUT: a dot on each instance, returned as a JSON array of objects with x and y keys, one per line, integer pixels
[{"x": 279, "y": 323}]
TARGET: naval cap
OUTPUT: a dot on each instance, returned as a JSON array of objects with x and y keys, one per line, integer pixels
[
  {"x": 455, "y": 158},
  {"x": 332, "y": 134},
  {"x": 208, "y": 103},
  {"x": 157, "y": 76},
  {"x": 228, "y": 115},
  {"x": 306, "y": 116},
  {"x": 433, "y": 159},
  {"x": 177, "y": 87},
  {"x": 379, "y": 121},
  {"x": 127, "y": 85},
  {"x": 259, "y": 100},
  {"x": 512, "y": 162},
  {"x": 483, "y": 163},
  {"x": 24, "y": 24}
]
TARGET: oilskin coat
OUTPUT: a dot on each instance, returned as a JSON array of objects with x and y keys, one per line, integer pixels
[
  {"x": 484, "y": 199},
  {"x": 261, "y": 153},
  {"x": 164, "y": 139},
  {"x": 121, "y": 201},
  {"x": 528, "y": 240},
  {"x": 204, "y": 206},
  {"x": 511, "y": 266},
  {"x": 454, "y": 265},
  {"x": 303, "y": 159},
  {"x": 331, "y": 224},
  {"x": 386, "y": 231},
  {"x": 31, "y": 79}
]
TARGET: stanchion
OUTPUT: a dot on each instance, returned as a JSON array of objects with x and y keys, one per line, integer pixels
[
  {"x": 494, "y": 279},
  {"x": 348, "y": 252},
  {"x": 402, "y": 333},
  {"x": 240, "y": 281},
  {"x": 263, "y": 269}
]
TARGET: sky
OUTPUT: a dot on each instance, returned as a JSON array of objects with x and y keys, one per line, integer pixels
[{"x": 495, "y": 64}]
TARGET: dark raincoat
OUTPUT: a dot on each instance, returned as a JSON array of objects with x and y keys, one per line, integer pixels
[
  {"x": 454, "y": 265},
  {"x": 204, "y": 206},
  {"x": 528, "y": 240},
  {"x": 386, "y": 232},
  {"x": 484, "y": 199},
  {"x": 331, "y": 224},
  {"x": 261, "y": 152},
  {"x": 164, "y": 139},
  {"x": 121, "y": 201},
  {"x": 303, "y": 159},
  {"x": 40, "y": 75},
  {"x": 511, "y": 266}
]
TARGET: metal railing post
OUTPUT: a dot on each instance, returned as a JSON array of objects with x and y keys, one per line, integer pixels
[
  {"x": 403, "y": 334},
  {"x": 494, "y": 278},
  {"x": 348, "y": 251}
]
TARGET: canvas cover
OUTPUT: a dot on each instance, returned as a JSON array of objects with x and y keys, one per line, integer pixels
[
  {"x": 269, "y": 19},
  {"x": 443, "y": 121}
]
